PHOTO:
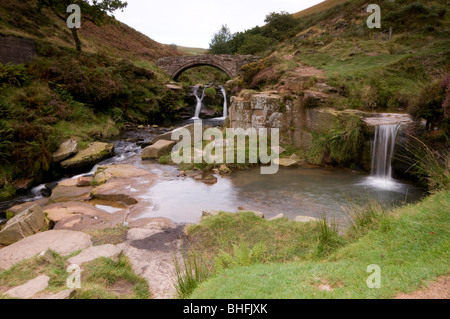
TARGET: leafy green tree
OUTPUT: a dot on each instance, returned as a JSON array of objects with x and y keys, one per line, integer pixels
[
  {"x": 278, "y": 24},
  {"x": 95, "y": 11},
  {"x": 254, "y": 44},
  {"x": 221, "y": 41}
]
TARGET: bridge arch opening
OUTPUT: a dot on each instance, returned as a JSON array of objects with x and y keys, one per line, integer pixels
[{"x": 178, "y": 73}]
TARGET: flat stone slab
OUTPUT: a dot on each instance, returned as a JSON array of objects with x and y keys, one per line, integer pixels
[
  {"x": 105, "y": 173},
  {"x": 29, "y": 289},
  {"x": 82, "y": 216},
  {"x": 95, "y": 252},
  {"x": 286, "y": 162},
  {"x": 70, "y": 193},
  {"x": 305, "y": 219},
  {"x": 124, "y": 190},
  {"x": 64, "y": 242}
]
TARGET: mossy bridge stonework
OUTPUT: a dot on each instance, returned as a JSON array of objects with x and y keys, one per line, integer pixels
[{"x": 230, "y": 64}]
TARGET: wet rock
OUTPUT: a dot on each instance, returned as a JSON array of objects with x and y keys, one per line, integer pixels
[
  {"x": 105, "y": 173},
  {"x": 84, "y": 181},
  {"x": 70, "y": 193},
  {"x": 81, "y": 216},
  {"x": 210, "y": 179},
  {"x": 94, "y": 153},
  {"x": 46, "y": 192},
  {"x": 23, "y": 184},
  {"x": 286, "y": 162},
  {"x": 27, "y": 223},
  {"x": 64, "y": 242},
  {"x": 66, "y": 149},
  {"x": 29, "y": 289},
  {"x": 158, "y": 149},
  {"x": 116, "y": 190},
  {"x": 224, "y": 170}
]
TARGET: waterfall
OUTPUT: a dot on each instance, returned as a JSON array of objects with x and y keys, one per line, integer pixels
[
  {"x": 383, "y": 150},
  {"x": 225, "y": 102},
  {"x": 198, "y": 108}
]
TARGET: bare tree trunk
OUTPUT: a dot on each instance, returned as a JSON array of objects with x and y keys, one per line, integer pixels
[{"x": 76, "y": 38}]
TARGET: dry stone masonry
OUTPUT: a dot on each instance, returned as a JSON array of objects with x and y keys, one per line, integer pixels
[{"x": 230, "y": 64}]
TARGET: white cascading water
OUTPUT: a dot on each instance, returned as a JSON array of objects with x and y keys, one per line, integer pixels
[
  {"x": 382, "y": 153},
  {"x": 198, "y": 107},
  {"x": 225, "y": 103}
]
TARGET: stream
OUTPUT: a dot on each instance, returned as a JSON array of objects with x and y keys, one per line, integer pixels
[{"x": 316, "y": 192}]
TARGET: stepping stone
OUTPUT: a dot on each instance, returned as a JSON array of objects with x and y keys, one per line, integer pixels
[
  {"x": 64, "y": 242},
  {"x": 95, "y": 252},
  {"x": 279, "y": 216},
  {"x": 29, "y": 289}
]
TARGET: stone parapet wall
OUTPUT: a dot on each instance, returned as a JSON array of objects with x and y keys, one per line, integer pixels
[{"x": 16, "y": 50}]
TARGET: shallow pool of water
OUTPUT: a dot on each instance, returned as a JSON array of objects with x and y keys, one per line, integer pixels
[{"x": 315, "y": 192}]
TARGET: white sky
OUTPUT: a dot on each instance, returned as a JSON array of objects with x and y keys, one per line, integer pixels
[{"x": 193, "y": 23}]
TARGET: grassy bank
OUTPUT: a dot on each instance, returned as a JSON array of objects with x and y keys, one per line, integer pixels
[
  {"x": 410, "y": 244},
  {"x": 103, "y": 278}
]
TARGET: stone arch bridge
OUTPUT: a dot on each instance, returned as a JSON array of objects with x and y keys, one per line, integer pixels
[{"x": 230, "y": 64}]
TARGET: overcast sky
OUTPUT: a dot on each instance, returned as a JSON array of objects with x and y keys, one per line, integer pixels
[{"x": 192, "y": 23}]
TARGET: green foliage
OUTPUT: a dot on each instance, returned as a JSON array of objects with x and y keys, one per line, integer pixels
[
  {"x": 343, "y": 143},
  {"x": 15, "y": 75},
  {"x": 254, "y": 44},
  {"x": 220, "y": 42},
  {"x": 430, "y": 104},
  {"x": 210, "y": 92},
  {"x": 431, "y": 166},
  {"x": 190, "y": 274},
  {"x": 279, "y": 25},
  {"x": 329, "y": 239},
  {"x": 242, "y": 256}
]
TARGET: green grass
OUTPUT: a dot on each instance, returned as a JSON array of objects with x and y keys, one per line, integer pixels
[
  {"x": 103, "y": 278},
  {"x": 411, "y": 247}
]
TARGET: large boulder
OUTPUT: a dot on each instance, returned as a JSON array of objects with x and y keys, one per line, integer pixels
[
  {"x": 27, "y": 223},
  {"x": 158, "y": 149},
  {"x": 94, "y": 153},
  {"x": 63, "y": 242},
  {"x": 17, "y": 209},
  {"x": 66, "y": 149}
]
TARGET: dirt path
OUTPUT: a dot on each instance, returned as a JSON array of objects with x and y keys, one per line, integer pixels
[{"x": 439, "y": 289}]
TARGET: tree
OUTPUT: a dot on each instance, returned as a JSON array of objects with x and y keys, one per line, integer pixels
[
  {"x": 94, "y": 11},
  {"x": 254, "y": 44},
  {"x": 278, "y": 24},
  {"x": 221, "y": 41}
]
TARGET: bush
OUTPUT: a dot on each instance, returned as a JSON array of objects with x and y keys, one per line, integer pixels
[
  {"x": 432, "y": 103},
  {"x": 210, "y": 92}
]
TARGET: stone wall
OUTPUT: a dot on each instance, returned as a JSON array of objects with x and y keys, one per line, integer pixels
[
  {"x": 16, "y": 50},
  {"x": 230, "y": 64},
  {"x": 296, "y": 123}
]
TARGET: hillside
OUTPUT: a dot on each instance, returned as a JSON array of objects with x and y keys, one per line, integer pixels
[
  {"x": 22, "y": 18},
  {"x": 63, "y": 93},
  {"x": 325, "y": 5}
]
